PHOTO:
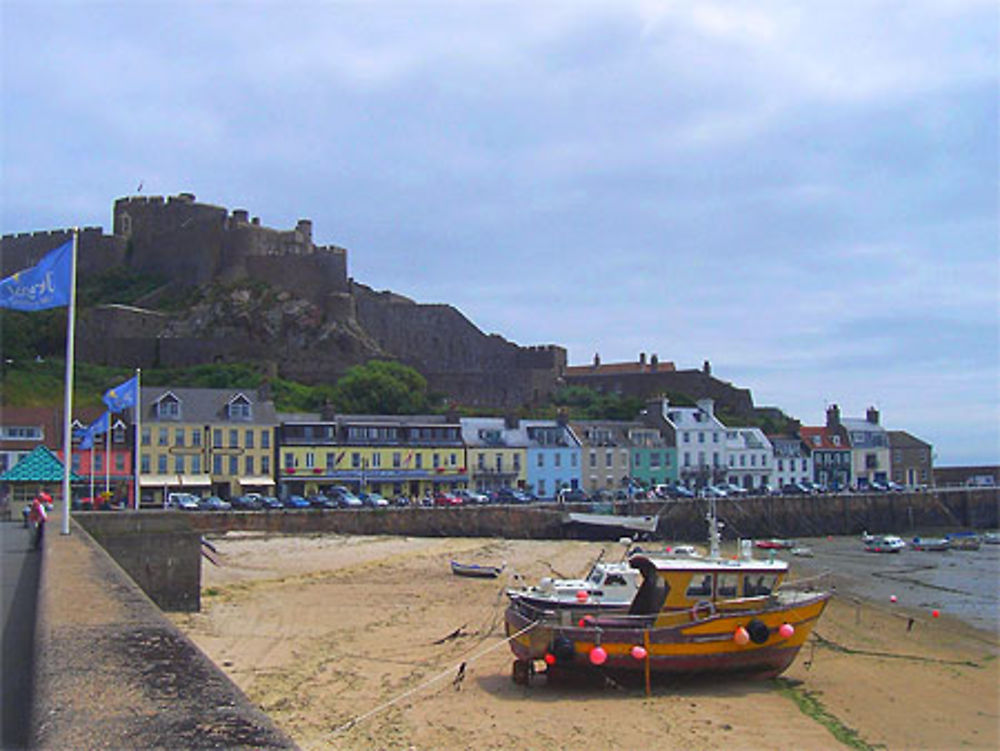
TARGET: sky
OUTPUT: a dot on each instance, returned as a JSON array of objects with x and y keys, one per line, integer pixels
[{"x": 803, "y": 193}]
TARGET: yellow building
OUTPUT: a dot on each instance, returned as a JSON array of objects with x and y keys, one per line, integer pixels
[
  {"x": 206, "y": 442},
  {"x": 406, "y": 455}
]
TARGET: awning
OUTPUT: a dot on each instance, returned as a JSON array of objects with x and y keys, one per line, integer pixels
[
  {"x": 195, "y": 480},
  {"x": 158, "y": 481},
  {"x": 256, "y": 480}
]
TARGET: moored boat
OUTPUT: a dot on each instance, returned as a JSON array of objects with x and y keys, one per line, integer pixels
[
  {"x": 992, "y": 538},
  {"x": 964, "y": 540},
  {"x": 930, "y": 544},
  {"x": 607, "y": 587},
  {"x": 885, "y": 544},
  {"x": 689, "y": 615},
  {"x": 476, "y": 570}
]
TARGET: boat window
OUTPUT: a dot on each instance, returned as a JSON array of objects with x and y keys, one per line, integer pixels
[
  {"x": 615, "y": 580},
  {"x": 700, "y": 587},
  {"x": 755, "y": 586},
  {"x": 596, "y": 575},
  {"x": 726, "y": 585}
]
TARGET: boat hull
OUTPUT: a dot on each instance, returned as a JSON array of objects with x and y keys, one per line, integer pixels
[{"x": 699, "y": 646}]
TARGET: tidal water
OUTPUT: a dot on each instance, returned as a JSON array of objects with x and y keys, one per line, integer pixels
[{"x": 960, "y": 583}]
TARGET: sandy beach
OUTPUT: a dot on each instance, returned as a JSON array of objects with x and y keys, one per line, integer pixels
[{"x": 355, "y": 643}]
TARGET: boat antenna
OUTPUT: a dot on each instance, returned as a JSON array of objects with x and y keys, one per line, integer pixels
[{"x": 713, "y": 530}]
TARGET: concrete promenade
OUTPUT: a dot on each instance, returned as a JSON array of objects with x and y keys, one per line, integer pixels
[{"x": 110, "y": 671}]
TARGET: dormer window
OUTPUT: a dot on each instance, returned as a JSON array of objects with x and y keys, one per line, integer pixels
[
  {"x": 836, "y": 440},
  {"x": 168, "y": 407},
  {"x": 816, "y": 440},
  {"x": 239, "y": 409}
]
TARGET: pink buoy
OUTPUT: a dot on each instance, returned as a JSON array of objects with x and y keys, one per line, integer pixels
[
  {"x": 639, "y": 653},
  {"x": 598, "y": 655},
  {"x": 936, "y": 613},
  {"x": 741, "y": 636},
  {"x": 892, "y": 599},
  {"x": 581, "y": 595},
  {"x": 786, "y": 630},
  {"x": 550, "y": 659}
]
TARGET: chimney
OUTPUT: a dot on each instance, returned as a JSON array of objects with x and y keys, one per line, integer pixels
[
  {"x": 597, "y": 361},
  {"x": 872, "y": 416},
  {"x": 511, "y": 421},
  {"x": 706, "y": 368},
  {"x": 562, "y": 417},
  {"x": 833, "y": 417},
  {"x": 642, "y": 358},
  {"x": 654, "y": 362}
]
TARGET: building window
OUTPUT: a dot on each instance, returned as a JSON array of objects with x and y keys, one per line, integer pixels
[
  {"x": 558, "y": 460},
  {"x": 377, "y": 459},
  {"x": 161, "y": 464},
  {"x": 248, "y": 465},
  {"x": 418, "y": 461},
  {"x": 637, "y": 459},
  {"x": 179, "y": 464},
  {"x": 593, "y": 458},
  {"x": 265, "y": 465},
  {"x": 234, "y": 438},
  {"x": 397, "y": 460},
  {"x": 654, "y": 461},
  {"x": 289, "y": 460},
  {"x": 163, "y": 439},
  {"x": 145, "y": 437},
  {"x": 687, "y": 437},
  {"x": 481, "y": 461},
  {"x": 541, "y": 459},
  {"x": 179, "y": 437},
  {"x": 195, "y": 437},
  {"x": 517, "y": 462},
  {"x": 701, "y": 437},
  {"x": 249, "y": 439},
  {"x": 120, "y": 462},
  {"x": 196, "y": 464},
  {"x": 143, "y": 464},
  {"x": 217, "y": 438},
  {"x": 609, "y": 458},
  {"x": 265, "y": 439},
  {"x": 541, "y": 488}
]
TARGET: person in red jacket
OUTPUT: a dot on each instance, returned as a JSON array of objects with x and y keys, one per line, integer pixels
[{"x": 38, "y": 517}]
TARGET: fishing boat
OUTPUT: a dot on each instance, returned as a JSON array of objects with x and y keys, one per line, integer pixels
[
  {"x": 930, "y": 544},
  {"x": 607, "y": 587},
  {"x": 964, "y": 541},
  {"x": 475, "y": 570},
  {"x": 705, "y": 614}
]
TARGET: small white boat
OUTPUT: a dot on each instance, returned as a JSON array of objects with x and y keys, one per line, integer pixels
[
  {"x": 475, "y": 571},
  {"x": 930, "y": 544},
  {"x": 802, "y": 551},
  {"x": 885, "y": 544},
  {"x": 992, "y": 538},
  {"x": 608, "y": 587}
]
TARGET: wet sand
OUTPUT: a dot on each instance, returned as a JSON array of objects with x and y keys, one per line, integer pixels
[{"x": 355, "y": 643}]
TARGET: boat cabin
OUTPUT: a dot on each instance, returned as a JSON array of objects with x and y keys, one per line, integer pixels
[{"x": 701, "y": 586}]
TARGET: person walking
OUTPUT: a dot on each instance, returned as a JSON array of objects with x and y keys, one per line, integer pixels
[{"x": 38, "y": 517}]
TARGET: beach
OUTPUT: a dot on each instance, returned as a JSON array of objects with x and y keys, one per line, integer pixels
[{"x": 357, "y": 643}]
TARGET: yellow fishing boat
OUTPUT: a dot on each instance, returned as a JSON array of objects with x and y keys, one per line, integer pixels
[{"x": 690, "y": 615}]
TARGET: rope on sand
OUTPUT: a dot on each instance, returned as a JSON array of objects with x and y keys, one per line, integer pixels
[{"x": 360, "y": 718}]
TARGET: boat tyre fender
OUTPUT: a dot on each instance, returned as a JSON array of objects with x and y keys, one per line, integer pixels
[
  {"x": 758, "y": 630},
  {"x": 702, "y": 609},
  {"x": 563, "y": 649}
]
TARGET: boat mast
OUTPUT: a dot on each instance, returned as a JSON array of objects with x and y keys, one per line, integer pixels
[{"x": 713, "y": 530}]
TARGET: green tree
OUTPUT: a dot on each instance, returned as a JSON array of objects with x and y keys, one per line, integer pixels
[{"x": 379, "y": 387}]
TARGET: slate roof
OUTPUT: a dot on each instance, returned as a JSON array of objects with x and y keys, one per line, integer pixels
[
  {"x": 41, "y": 465},
  {"x": 207, "y": 405}
]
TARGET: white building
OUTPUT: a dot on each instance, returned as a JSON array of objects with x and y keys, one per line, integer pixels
[
  {"x": 701, "y": 443},
  {"x": 749, "y": 458}
]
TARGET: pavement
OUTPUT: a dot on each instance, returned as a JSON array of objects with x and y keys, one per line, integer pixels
[{"x": 20, "y": 574}]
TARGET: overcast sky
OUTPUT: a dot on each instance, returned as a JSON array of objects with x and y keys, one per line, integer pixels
[{"x": 804, "y": 194}]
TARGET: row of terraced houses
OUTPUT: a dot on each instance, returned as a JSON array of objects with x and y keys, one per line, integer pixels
[{"x": 229, "y": 442}]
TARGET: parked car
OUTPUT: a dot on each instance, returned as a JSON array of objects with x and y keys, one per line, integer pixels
[
  {"x": 877, "y": 487},
  {"x": 214, "y": 503},
  {"x": 471, "y": 496},
  {"x": 737, "y": 490},
  {"x": 713, "y": 491},
  {"x": 344, "y": 498},
  {"x": 296, "y": 501},
  {"x": 248, "y": 502},
  {"x": 680, "y": 491},
  {"x": 270, "y": 503},
  {"x": 401, "y": 500},
  {"x": 511, "y": 495},
  {"x": 184, "y": 501},
  {"x": 895, "y": 487},
  {"x": 321, "y": 500},
  {"x": 572, "y": 495},
  {"x": 794, "y": 488},
  {"x": 374, "y": 500},
  {"x": 446, "y": 499}
]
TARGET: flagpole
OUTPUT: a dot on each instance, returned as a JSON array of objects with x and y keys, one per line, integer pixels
[
  {"x": 92, "y": 471},
  {"x": 68, "y": 399},
  {"x": 107, "y": 459},
  {"x": 137, "y": 411}
]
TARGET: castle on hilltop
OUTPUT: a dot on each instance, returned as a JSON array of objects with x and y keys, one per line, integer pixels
[{"x": 315, "y": 323}]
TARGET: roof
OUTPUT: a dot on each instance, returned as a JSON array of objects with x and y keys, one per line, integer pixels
[
  {"x": 900, "y": 439},
  {"x": 206, "y": 405},
  {"x": 825, "y": 436},
  {"x": 41, "y": 465}
]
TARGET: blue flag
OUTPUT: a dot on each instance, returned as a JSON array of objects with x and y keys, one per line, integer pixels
[
  {"x": 100, "y": 426},
  {"x": 43, "y": 286},
  {"x": 123, "y": 395}
]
